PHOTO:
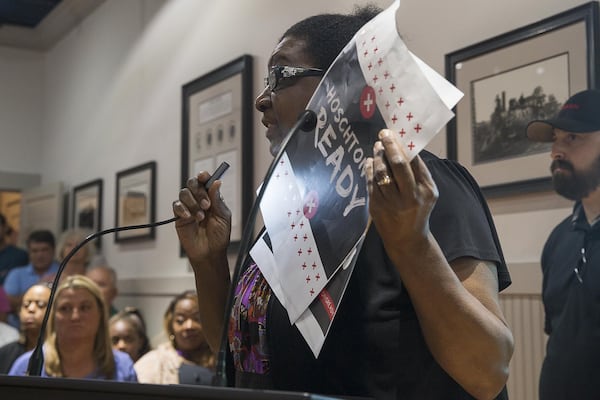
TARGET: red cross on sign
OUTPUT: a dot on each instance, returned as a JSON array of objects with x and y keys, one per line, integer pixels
[{"x": 367, "y": 102}]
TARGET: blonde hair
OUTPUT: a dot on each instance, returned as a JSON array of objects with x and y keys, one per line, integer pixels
[
  {"x": 102, "y": 346},
  {"x": 78, "y": 235}
]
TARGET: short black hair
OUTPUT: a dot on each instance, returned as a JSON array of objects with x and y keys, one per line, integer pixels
[
  {"x": 42, "y": 236},
  {"x": 327, "y": 34}
]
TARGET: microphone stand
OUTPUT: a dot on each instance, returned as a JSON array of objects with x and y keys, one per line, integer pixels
[
  {"x": 34, "y": 368},
  {"x": 306, "y": 122}
]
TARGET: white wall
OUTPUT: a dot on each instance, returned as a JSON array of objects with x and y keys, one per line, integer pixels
[
  {"x": 21, "y": 105},
  {"x": 110, "y": 99}
]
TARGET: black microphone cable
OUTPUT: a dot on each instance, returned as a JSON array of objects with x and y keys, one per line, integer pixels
[
  {"x": 306, "y": 122},
  {"x": 34, "y": 368}
]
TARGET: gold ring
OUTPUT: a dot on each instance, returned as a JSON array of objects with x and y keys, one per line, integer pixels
[{"x": 386, "y": 180}]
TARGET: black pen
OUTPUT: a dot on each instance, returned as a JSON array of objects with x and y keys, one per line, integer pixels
[{"x": 216, "y": 175}]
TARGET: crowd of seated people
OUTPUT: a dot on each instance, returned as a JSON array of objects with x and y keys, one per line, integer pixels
[
  {"x": 86, "y": 335},
  {"x": 82, "y": 342},
  {"x": 77, "y": 343}
]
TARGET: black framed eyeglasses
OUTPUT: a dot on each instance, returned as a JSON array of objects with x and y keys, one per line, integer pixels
[
  {"x": 281, "y": 73},
  {"x": 580, "y": 266}
]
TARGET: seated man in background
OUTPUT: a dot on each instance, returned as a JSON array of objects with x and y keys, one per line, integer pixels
[
  {"x": 10, "y": 255},
  {"x": 41, "y": 246},
  {"x": 106, "y": 278}
]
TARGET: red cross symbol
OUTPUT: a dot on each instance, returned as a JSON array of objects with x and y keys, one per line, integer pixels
[
  {"x": 392, "y": 88},
  {"x": 409, "y": 116},
  {"x": 394, "y": 119},
  {"x": 380, "y": 61},
  {"x": 307, "y": 278},
  {"x": 386, "y": 74},
  {"x": 402, "y": 132},
  {"x": 375, "y": 50},
  {"x": 293, "y": 225},
  {"x": 387, "y": 104},
  {"x": 317, "y": 277},
  {"x": 309, "y": 251},
  {"x": 373, "y": 38},
  {"x": 299, "y": 252},
  {"x": 311, "y": 291},
  {"x": 295, "y": 237},
  {"x": 277, "y": 176},
  {"x": 311, "y": 204},
  {"x": 304, "y": 265},
  {"x": 367, "y": 102},
  {"x": 370, "y": 66},
  {"x": 400, "y": 101},
  {"x": 366, "y": 53},
  {"x": 289, "y": 214},
  {"x": 411, "y": 146},
  {"x": 314, "y": 265},
  {"x": 375, "y": 78},
  {"x": 301, "y": 224},
  {"x": 281, "y": 162},
  {"x": 418, "y": 128},
  {"x": 297, "y": 212},
  {"x": 305, "y": 237},
  {"x": 380, "y": 90}
]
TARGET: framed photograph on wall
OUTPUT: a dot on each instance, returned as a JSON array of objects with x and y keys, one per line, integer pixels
[
  {"x": 510, "y": 80},
  {"x": 217, "y": 126},
  {"x": 87, "y": 207},
  {"x": 136, "y": 201}
]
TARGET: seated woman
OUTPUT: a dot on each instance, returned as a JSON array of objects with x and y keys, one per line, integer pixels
[
  {"x": 79, "y": 262},
  {"x": 77, "y": 343},
  {"x": 186, "y": 358},
  {"x": 127, "y": 331},
  {"x": 31, "y": 314}
]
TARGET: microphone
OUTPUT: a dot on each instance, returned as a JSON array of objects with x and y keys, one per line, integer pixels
[
  {"x": 34, "y": 368},
  {"x": 307, "y": 121}
]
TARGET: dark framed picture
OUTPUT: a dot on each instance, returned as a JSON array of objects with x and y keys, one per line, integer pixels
[
  {"x": 217, "y": 126},
  {"x": 87, "y": 207},
  {"x": 510, "y": 80},
  {"x": 136, "y": 201}
]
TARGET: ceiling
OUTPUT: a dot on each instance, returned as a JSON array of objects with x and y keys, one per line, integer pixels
[{"x": 39, "y": 24}]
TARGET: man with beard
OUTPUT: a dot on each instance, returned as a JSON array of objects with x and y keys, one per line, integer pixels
[{"x": 571, "y": 255}]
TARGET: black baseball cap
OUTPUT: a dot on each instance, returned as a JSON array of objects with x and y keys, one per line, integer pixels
[{"x": 580, "y": 114}]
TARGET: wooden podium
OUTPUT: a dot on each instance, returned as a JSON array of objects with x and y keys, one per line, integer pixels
[{"x": 36, "y": 388}]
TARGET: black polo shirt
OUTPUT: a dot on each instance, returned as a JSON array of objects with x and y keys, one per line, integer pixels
[{"x": 571, "y": 368}]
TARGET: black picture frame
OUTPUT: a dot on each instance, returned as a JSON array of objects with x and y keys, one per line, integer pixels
[
  {"x": 135, "y": 202},
  {"x": 87, "y": 207},
  {"x": 501, "y": 159},
  {"x": 217, "y": 125}
]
